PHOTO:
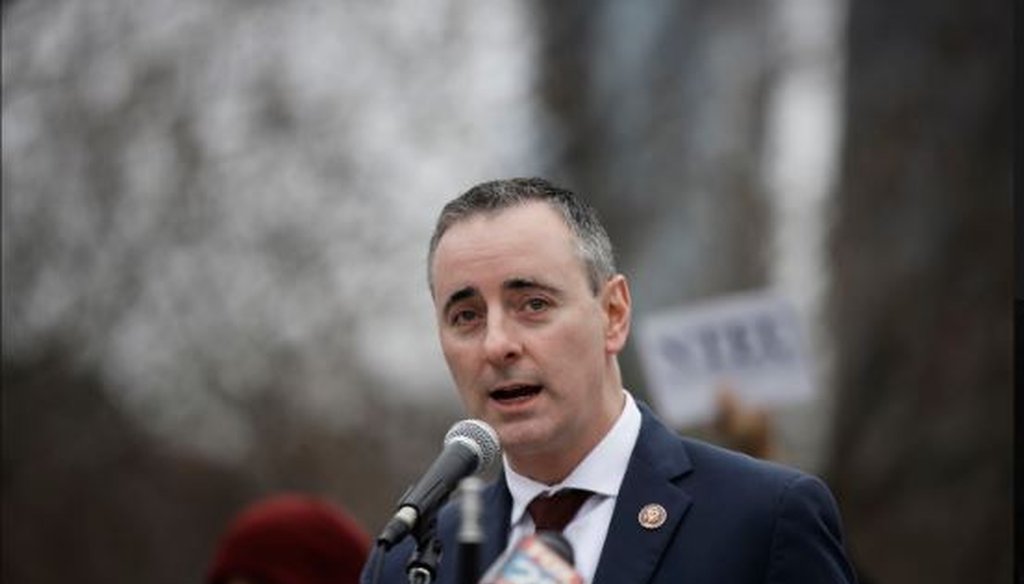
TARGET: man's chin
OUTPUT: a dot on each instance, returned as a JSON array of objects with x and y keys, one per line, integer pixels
[{"x": 522, "y": 438}]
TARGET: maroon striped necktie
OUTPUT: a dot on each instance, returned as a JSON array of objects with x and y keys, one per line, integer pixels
[{"x": 554, "y": 512}]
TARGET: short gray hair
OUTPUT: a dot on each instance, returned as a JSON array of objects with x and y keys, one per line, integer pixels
[{"x": 595, "y": 248}]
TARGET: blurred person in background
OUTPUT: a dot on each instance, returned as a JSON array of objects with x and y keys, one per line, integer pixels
[
  {"x": 751, "y": 429},
  {"x": 290, "y": 539},
  {"x": 743, "y": 427},
  {"x": 532, "y": 316}
]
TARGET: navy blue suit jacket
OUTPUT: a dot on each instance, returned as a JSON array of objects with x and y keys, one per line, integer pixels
[{"x": 732, "y": 519}]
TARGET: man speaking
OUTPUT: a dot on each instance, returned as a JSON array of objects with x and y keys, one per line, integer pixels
[{"x": 531, "y": 316}]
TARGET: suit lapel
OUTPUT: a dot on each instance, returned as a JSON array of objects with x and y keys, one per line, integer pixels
[
  {"x": 497, "y": 503},
  {"x": 632, "y": 550}
]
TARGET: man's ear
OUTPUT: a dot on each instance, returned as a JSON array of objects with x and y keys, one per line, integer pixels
[{"x": 617, "y": 307}]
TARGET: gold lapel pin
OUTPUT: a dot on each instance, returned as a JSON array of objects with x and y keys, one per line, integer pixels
[{"x": 652, "y": 516}]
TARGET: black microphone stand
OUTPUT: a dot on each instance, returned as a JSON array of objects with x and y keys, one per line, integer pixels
[{"x": 422, "y": 565}]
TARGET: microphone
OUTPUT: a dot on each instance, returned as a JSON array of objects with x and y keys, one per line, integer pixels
[
  {"x": 545, "y": 557},
  {"x": 470, "y": 446},
  {"x": 471, "y": 533}
]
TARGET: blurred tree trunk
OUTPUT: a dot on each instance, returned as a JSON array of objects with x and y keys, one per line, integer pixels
[
  {"x": 659, "y": 105},
  {"x": 920, "y": 297},
  {"x": 88, "y": 496}
]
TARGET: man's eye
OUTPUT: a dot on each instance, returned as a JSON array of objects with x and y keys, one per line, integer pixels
[
  {"x": 536, "y": 304},
  {"x": 464, "y": 316}
]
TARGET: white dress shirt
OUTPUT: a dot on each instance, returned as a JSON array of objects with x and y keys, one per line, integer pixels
[{"x": 601, "y": 472}]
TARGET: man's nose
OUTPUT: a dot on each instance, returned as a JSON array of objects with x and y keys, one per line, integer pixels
[{"x": 501, "y": 343}]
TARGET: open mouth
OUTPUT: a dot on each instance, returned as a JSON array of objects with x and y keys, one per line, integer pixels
[{"x": 515, "y": 393}]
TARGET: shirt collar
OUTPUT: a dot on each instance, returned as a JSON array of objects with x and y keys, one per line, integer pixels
[{"x": 601, "y": 471}]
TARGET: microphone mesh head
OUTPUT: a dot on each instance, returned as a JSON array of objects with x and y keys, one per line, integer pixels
[{"x": 479, "y": 437}]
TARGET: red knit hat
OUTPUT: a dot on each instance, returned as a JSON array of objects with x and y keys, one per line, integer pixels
[{"x": 291, "y": 539}]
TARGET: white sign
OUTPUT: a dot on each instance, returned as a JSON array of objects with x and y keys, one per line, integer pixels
[{"x": 751, "y": 342}]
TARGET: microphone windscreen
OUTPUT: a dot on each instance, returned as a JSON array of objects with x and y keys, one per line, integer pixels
[
  {"x": 558, "y": 544},
  {"x": 532, "y": 561},
  {"x": 479, "y": 437}
]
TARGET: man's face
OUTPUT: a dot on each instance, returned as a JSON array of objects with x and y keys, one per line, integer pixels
[{"x": 529, "y": 345}]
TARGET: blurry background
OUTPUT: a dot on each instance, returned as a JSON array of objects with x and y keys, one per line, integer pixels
[{"x": 215, "y": 218}]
